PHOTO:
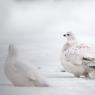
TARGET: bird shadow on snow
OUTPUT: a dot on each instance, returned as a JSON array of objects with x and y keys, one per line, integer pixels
[
  {"x": 59, "y": 76},
  {"x": 56, "y": 77},
  {"x": 69, "y": 77}
]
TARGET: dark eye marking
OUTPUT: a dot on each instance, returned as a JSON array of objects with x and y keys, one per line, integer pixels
[
  {"x": 64, "y": 35},
  {"x": 68, "y": 34}
]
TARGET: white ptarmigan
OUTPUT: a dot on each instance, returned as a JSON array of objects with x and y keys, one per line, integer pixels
[
  {"x": 76, "y": 57},
  {"x": 22, "y": 73}
]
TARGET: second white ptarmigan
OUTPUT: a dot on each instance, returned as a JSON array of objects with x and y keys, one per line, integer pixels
[
  {"x": 76, "y": 57},
  {"x": 22, "y": 73}
]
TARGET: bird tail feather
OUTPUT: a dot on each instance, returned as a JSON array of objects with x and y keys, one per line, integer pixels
[{"x": 12, "y": 50}]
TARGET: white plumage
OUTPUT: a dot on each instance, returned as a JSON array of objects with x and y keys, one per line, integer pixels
[
  {"x": 20, "y": 72},
  {"x": 75, "y": 56}
]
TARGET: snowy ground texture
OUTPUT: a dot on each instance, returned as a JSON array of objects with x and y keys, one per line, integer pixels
[{"x": 36, "y": 28}]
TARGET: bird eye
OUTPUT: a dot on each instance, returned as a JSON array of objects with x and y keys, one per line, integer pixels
[
  {"x": 64, "y": 35},
  {"x": 68, "y": 34}
]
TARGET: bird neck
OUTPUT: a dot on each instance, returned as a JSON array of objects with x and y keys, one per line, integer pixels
[
  {"x": 71, "y": 41},
  {"x": 69, "y": 44}
]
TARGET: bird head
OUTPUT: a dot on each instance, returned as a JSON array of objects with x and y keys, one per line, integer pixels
[{"x": 69, "y": 36}]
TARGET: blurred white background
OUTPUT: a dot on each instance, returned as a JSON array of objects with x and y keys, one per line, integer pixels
[{"x": 36, "y": 28}]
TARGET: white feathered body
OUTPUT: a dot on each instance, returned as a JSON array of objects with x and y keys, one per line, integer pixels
[
  {"x": 71, "y": 59},
  {"x": 22, "y": 73}
]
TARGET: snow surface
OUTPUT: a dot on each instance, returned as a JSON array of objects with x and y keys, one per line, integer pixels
[{"x": 36, "y": 28}]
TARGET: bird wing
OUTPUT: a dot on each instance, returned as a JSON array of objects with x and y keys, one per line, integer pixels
[
  {"x": 87, "y": 54},
  {"x": 85, "y": 50},
  {"x": 76, "y": 53}
]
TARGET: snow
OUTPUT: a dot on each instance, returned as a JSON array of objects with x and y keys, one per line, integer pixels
[
  {"x": 66, "y": 85},
  {"x": 37, "y": 29}
]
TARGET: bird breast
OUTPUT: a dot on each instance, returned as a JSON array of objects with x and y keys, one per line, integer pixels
[{"x": 71, "y": 54}]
